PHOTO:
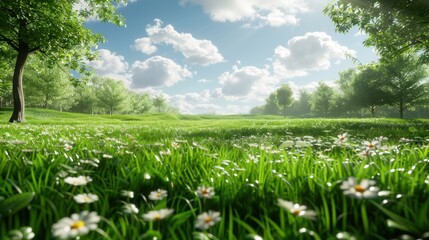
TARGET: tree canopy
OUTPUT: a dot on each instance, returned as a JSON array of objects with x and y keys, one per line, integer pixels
[
  {"x": 54, "y": 28},
  {"x": 393, "y": 27}
]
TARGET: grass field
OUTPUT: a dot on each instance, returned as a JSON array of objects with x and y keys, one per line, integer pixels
[{"x": 212, "y": 177}]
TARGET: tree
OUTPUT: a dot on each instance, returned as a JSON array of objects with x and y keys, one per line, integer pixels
[
  {"x": 302, "y": 106},
  {"x": 284, "y": 97},
  {"x": 46, "y": 85},
  {"x": 406, "y": 82},
  {"x": 159, "y": 102},
  {"x": 368, "y": 88},
  {"x": 85, "y": 99},
  {"x": 6, "y": 66},
  {"x": 322, "y": 99},
  {"x": 111, "y": 95},
  {"x": 393, "y": 27},
  {"x": 140, "y": 102},
  {"x": 53, "y": 28},
  {"x": 271, "y": 104}
]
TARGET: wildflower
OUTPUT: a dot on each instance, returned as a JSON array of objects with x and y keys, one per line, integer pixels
[
  {"x": 302, "y": 144},
  {"x": 128, "y": 194},
  {"x": 67, "y": 147},
  {"x": 287, "y": 143},
  {"x": 296, "y": 209},
  {"x": 342, "y": 138},
  {"x": 364, "y": 189},
  {"x": 21, "y": 234},
  {"x": 167, "y": 152},
  {"x": 130, "y": 208},
  {"x": 86, "y": 198},
  {"x": 157, "y": 215},
  {"x": 207, "y": 219},
  {"x": 206, "y": 192},
  {"x": 107, "y": 156},
  {"x": 94, "y": 162},
  {"x": 175, "y": 145},
  {"x": 76, "y": 225},
  {"x": 78, "y": 181},
  {"x": 158, "y": 194},
  {"x": 371, "y": 145},
  {"x": 345, "y": 235}
]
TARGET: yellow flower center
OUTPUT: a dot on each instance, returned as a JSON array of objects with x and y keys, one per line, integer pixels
[
  {"x": 359, "y": 188},
  {"x": 208, "y": 220},
  {"x": 296, "y": 212},
  {"x": 78, "y": 224},
  {"x": 157, "y": 217}
]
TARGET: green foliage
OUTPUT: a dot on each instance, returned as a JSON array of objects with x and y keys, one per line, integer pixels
[
  {"x": 12, "y": 205},
  {"x": 159, "y": 102},
  {"x": 284, "y": 97},
  {"x": 322, "y": 99},
  {"x": 247, "y": 161},
  {"x": 56, "y": 30},
  {"x": 47, "y": 87},
  {"x": 367, "y": 88},
  {"x": 393, "y": 27},
  {"x": 111, "y": 95},
  {"x": 406, "y": 82}
]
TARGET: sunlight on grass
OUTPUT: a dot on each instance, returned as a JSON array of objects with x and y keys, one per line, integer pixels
[{"x": 214, "y": 178}]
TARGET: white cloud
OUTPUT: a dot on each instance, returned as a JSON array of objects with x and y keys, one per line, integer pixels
[
  {"x": 203, "y": 80},
  {"x": 196, "y": 51},
  {"x": 312, "y": 52},
  {"x": 157, "y": 71},
  {"x": 240, "y": 81},
  {"x": 144, "y": 45},
  {"x": 195, "y": 103},
  {"x": 243, "y": 81},
  {"x": 254, "y": 13},
  {"x": 110, "y": 64}
]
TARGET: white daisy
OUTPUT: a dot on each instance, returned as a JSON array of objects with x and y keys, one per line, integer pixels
[
  {"x": 85, "y": 198},
  {"x": 128, "y": 194},
  {"x": 207, "y": 219},
  {"x": 76, "y": 225},
  {"x": 205, "y": 192},
  {"x": 78, "y": 181},
  {"x": 21, "y": 234},
  {"x": 158, "y": 195},
  {"x": 371, "y": 145},
  {"x": 342, "y": 138},
  {"x": 364, "y": 189},
  {"x": 157, "y": 215},
  {"x": 296, "y": 209},
  {"x": 130, "y": 208}
]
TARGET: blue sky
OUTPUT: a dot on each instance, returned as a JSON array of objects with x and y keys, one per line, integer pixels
[{"x": 224, "y": 56}]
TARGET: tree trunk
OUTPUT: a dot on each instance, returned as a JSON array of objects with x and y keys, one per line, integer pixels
[
  {"x": 18, "y": 114},
  {"x": 372, "y": 108},
  {"x": 401, "y": 109}
]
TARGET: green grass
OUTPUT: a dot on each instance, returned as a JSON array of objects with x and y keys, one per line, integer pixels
[{"x": 242, "y": 157}]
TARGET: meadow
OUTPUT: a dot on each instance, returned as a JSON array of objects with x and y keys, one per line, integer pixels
[{"x": 72, "y": 176}]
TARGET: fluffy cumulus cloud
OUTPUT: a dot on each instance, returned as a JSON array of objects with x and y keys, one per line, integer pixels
[
  {"x": 157, "y": 71},
  {"x": 145, "y": 45},
  {"x": 243, "y": 81},
  {"x": 312, "y": 52},
  {"x": 202, "y": 103},
  {"x": 254, "y": 13},
  {"x": 196, "y": 51},
  {"x": 109, "y": 64}
]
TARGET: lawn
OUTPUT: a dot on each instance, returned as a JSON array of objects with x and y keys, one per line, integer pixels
[{"x": 72, "y": 176}]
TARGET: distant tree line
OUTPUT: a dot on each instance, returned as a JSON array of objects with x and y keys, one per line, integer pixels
[
  {"x": 52, "y": 88},
  {"x": 398, "y": 87}
]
